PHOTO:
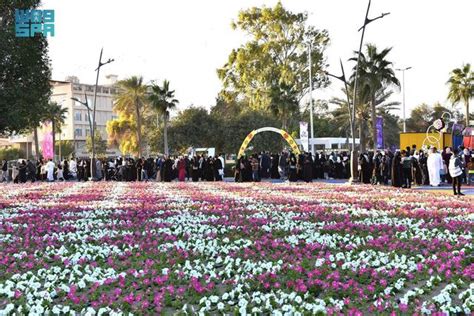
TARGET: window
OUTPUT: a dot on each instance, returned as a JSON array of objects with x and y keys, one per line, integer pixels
[
  {"x": 88, "y": 132},
  {"x": 77, "y": 87},
  {"x": 105, "y": 90},
  {"x": 78, "y": 132},
  {"x": 78, "y": 116},
  {"x": 89, "y": 89}
]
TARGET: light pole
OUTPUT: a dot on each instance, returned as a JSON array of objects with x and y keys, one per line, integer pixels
[
  {"x": 310, "y": 99},
  {"x": 60, "y": 130},
  {"x": 403, "y": 89},
  {"x": 86, "y": 104},
  {"x": 354, "y": 98},
  {"x": 94, "y": 110}
]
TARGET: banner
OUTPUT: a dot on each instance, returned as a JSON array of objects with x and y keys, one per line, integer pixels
[
  {"x": 47, "y": 144},
  {"x": 304, "y": 135},
  {"x": 379, "y": 128}
]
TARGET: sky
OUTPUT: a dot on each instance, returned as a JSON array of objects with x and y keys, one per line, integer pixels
[{"x": 185, "y": 41}]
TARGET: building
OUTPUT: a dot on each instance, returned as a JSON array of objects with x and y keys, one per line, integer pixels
[
  {"x": 76, "y": 126},
  {"x": 329, "y": 143}
]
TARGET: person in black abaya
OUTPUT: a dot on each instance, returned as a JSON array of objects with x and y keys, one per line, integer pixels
[
  {"x": 308, "y": 168},
  {"x": 423, "y": 165},
  {"x": 167, "y": 169},
  {"x": 138, "y": 168},
  {"x": 247, "y": 173},
  {"x": 364, "y": 174},
  {"x": 397, "y": 170},
  {"x": 265, "y": 165},
  {"x": 293, "y": 177},
  {"x": 322, "y": 166},
  {"x": 195, "y": 169},
  {"x": 274, "y": 174}
]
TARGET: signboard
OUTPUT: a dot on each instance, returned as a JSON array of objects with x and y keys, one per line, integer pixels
[
  {"x": 28, "y": 23},
  {"x": 379, "y": 128},
  {"x": 47, "y": 144},
  {"x": 304, "y": 135}
]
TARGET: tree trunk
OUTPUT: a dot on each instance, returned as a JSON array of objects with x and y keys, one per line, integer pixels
[
  {"x": 362, "y": 137},
  {"x": 35, "y": 135},
  {"x": 374, "y": 123},
  {"x": 467, "y": 113},
  {"x": 139, "y": 128},
  {"x": 165, "y": 133}
]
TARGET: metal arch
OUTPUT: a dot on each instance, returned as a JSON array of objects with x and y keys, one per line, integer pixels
[{"x": 287, "y": 137}]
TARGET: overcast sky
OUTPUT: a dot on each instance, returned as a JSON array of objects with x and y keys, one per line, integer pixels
[{"x": 185, "y": 41}]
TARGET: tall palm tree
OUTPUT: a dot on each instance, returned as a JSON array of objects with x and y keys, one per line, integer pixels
[
  {"x": 131, "y": 98},
  {"x": 375, "y": 73},
  {"x": 461, "y": 87},
  {"x": 57, "y": 115},
  {"x": 341, "y": 113},
  {"x": 162, "y": 101}
]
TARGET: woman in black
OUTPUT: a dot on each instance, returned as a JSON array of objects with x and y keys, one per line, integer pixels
[
  {"x": 292, "y": 163},
  {"x": 397, "y": 170},
  {"x": 167, "y": 170},
  {"x": 22, "y": 172},
  {"x": 274, "y": 174},
  {"x": 195, "y": 169},
  {"x": 308, "y": 168}
]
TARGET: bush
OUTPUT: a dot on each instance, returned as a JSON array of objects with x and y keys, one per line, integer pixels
[{"x": 11, "y": 153}]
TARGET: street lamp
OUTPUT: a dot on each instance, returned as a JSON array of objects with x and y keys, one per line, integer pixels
[
  {"x": 310, "y": 99},
  {"x": 403, "y": 89},
  {"x": 86, "y": 104},
  {"x": 354, "y": 98},
  {"x": 94, "y": 109}
]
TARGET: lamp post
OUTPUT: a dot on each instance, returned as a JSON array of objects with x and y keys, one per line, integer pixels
[
  {"x": 86, "y": 104},
  {"x": 403, "y": 89},
  {"x": 60, "y": 130},
  {"x": 310, "y": 99},
  {"x": 94, "y": 110},
  {"x": 354, "y": 98}
]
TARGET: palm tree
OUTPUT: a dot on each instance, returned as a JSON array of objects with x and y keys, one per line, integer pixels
[
  {"x": 375, "y": 73},
  {"x": 131, "y": 98},
  {"x": 57, "y": 115},
  {"x": 461, "y": 87},
  {"x": 341, "y": 113},
  {"x": 162, "y": 101}
]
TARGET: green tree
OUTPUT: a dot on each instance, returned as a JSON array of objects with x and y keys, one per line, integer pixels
[
  {"x": 383, "y": 107},
  {"x": 162, "y": 101},
  {"x": 11, "y": 154},
  {"x": 129, "y": 104},
  {"x": 57, "y": 115},
  {"x": 375, "y": 74},
  {"x": 422, "y": 116},
  {"x": 461, "y": 87},
  {"x": 99, "y": 144},
  {"x": 67, "y": 148},
  {"x": 270, "y": 70},
  {"x": 24, "y": 73}
]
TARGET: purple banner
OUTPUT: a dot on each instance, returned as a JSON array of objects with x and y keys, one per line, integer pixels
[{"x": 379, "y": 127}]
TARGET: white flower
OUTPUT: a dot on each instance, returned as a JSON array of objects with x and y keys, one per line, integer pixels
[{"x": 220, "y": 306}]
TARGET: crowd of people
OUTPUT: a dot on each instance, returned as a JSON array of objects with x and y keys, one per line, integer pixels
[
  {"x": 402, "y": 168},
  {"x": 163, "y": 168}
]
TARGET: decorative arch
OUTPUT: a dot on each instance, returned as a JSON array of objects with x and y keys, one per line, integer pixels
[{"x": 283, "y": 134}]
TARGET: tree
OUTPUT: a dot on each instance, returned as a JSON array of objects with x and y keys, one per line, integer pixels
[
  {"x": 461, "y": 87},
  {"x": 382, "y": 106},
  {"x": 375, "y": 73},
  {"x": 422, "y": 116},
  {"x": 24, "y": 73},
  {"x": 122, "y": 132},
  {"x": 100, "y": 145},
  {"x": 162, "y": 101},
  {"x": 129, "y": 103},
  {"x": 57, "y": 115},
  {"x": 270, "y": 70},
  {"x": 67, "y": 147}
]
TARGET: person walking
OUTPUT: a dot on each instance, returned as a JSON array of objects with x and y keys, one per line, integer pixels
[
  {"x": 456, "y": 173},
  {"x": 4, "y": 171},
  {"x": 407, "y": 165},
  {"x": 255, "y": 168}
]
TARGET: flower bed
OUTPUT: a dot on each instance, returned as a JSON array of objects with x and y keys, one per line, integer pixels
[{"x": 147, "y": 248}]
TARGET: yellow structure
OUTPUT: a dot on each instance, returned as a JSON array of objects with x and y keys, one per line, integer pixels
[
  {"x": 283, "y": 134},
  {"x": 438, "y": 140}
]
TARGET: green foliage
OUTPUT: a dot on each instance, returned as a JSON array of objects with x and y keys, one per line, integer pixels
[
  {"x": 461, "y": 87},
  {"x": 99, "y": 144},
  {"x": 67, "y": 148},
  {"x": 11, "y": 153},
  {"x": 270, "y": 70},
  {"x": 423, "y": 116},
  {"x": 24, "y": 72}
]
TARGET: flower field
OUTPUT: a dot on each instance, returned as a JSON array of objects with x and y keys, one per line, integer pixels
[{"x": 225, "y": 248}]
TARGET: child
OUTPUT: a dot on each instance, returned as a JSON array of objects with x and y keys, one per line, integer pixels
[{"x": 59, "y": 173}]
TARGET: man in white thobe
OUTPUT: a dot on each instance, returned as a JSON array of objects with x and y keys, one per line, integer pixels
[
  {"x": 50, "y": 170},
  {"x": 435, "y": 164}
]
